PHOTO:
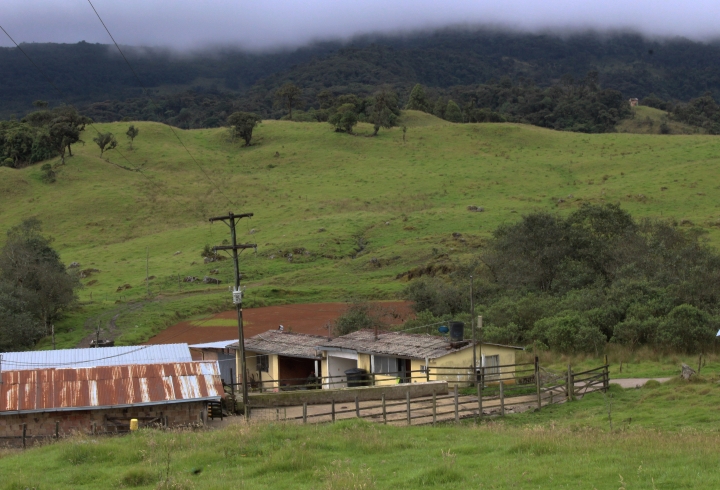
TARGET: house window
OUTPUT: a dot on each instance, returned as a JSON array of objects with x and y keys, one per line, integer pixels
[
  {"x": 492, "y": 364},
  {"x": 263, "y": 363},
  {"x": 385, "y": 365}
]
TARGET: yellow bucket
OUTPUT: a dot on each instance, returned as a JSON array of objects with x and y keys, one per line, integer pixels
[{"x": 133, "y": 424}]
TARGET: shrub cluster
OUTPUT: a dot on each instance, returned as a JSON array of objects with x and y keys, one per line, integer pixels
[{"x": 574, "y": 283}]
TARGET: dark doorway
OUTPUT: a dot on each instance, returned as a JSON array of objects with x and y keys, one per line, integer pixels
[{"x": 294, "y": 371}]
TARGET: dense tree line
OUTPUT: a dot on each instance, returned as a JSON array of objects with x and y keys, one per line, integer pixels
[
  {"x": 571, "y": 105},
  {"x": 674, "y": 69},
  {"x": 35, "y": 288},
  {"x": 574, "y": 283},
  {"x": 40, "y": 135}
]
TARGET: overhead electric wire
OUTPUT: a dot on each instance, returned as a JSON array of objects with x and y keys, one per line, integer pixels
[
  {"x": 65, "y": 99},
  {"x": 153, "y": 102}
]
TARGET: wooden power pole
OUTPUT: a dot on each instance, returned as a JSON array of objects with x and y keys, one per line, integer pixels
[
  {"x": 231, "y": 220},
  {"x": 472, "y": 327}
]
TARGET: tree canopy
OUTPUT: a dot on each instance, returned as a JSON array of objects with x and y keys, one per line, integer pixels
[
  {"x": 242, "y": 125},
  {"x": 35, "y": 288},
  {"x": 574, "y": 283}
]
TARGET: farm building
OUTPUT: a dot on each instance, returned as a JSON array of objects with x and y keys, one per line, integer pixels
[
  {"x": 393, "y": 357},
  {"x": 223, "y": 352},
  {"x": 279, "y": 358},
  {"x": 101, "y": 356},
  {"x": 105, "y": 398}
]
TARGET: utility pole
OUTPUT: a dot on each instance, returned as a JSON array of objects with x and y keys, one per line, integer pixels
[
  {"x": 230, "y": 220},
  {"x": 472, "y": 326}
]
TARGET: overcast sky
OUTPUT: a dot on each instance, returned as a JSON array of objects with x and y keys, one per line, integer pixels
[{"x": 257, "y": 24}]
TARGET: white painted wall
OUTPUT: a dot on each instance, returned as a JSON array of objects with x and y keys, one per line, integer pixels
[{"x": 337, "y": 365}]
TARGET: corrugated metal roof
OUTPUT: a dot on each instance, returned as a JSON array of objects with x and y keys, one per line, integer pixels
[
  {"x": 49, "y": 390},
  {"x": 415, "y": 346},
  {"x": 101, "y": 356},
  {"x": 224, "y": 344},
  {"x": 285, "y": 344}
]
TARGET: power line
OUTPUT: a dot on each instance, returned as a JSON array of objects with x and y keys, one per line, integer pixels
[{"x": 153, "y": 102}]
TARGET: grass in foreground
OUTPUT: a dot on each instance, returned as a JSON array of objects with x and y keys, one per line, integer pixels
[
  {"x": 643, "y": 362},
  {"x": 668, "y": 444}
]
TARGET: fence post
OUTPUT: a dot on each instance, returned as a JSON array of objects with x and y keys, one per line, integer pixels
[
  {"x": 409, "y": 419},
  {"x": 383, "y": 409},
  {"x": 434, "y": 408},
  {"x": 57, "y": 430},
  {"x": 457, "y": 413},
  {"x": 502, "y": 398},
  {"x": 24, "y": 434},
  {"x": 606, "y": 377},
  {"x": 333, "y": 410},
  {"x": 304, "y": 412},
  {"x": 537, "y": 382},
  {"x": 569, "y": 385},
  {"x": 479, "y": 393},
  {"x": 427, "y": 374},
  {"x": 357, "y": 407}
]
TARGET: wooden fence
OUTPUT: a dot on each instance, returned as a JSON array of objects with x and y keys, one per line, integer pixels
[{"x": 476, "y": 393}]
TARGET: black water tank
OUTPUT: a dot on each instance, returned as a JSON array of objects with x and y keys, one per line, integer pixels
[
  {"x": 356, "y": 377},
  {"x": 457, "y": 331}
]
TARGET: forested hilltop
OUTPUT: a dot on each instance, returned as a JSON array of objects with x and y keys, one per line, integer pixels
[{"x": 675, "y": 69}]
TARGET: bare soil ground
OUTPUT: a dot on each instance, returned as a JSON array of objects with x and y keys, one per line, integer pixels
[{"x": 311, "y": 318}]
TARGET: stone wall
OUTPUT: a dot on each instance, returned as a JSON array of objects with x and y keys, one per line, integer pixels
[
  {"x": 344, "y": 395},
  {"x": 41, "y": 425}
]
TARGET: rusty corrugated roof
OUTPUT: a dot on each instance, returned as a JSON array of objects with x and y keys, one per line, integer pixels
[{"x": 48, "y": 390}]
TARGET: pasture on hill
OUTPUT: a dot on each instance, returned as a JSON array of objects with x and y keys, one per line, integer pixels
[{"x": 336, "y": 215}]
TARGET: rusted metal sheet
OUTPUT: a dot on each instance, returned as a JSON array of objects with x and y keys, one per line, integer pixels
[{"x": 108, "y": 386}]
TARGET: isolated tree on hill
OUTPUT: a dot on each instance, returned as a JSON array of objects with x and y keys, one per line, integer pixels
[
  {"x": 132, "y": 133},
  {"x": 242, "y": 125},
  {"x": 106, "y": 141},
  {"x": 418, "y": 100},
  {"x": 287, "y": 95},
  {"x": 383, "y": 114},
  {"x": 35, "y": 287},
  {"x": 62, "y": 126},
  {"x": 344, "y": 118},
  {"x": 452, "y": 112}
]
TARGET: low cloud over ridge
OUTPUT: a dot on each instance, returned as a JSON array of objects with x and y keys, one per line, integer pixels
[{"x": 187, "y": 24}]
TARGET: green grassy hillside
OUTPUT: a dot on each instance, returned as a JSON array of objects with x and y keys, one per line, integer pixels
[
  {"x": 647, "y": 120},
  {"x": 322, "y": 196}
]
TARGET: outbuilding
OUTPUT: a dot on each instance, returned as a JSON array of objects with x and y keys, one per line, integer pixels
[{"x": 105, "y": 398}]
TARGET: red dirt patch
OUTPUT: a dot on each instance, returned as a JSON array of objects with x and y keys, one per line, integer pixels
[{"x": 311, "y": 318}]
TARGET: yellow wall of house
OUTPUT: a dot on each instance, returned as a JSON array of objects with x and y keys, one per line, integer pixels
[
  {"x": 269, "y": 378},
  {"x": 464, "y": 358},
  {"x": 363, "y": 362}
]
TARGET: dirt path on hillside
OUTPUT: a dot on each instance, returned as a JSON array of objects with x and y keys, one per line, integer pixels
[{"x": 310, "y": 318}]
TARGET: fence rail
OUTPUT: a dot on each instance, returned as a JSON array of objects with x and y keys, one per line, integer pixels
[{"x": 522, "y": 386}]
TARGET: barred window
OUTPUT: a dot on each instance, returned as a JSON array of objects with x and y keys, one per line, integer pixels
[
  {"x": 386, "y": 365},
  {"x": 492, "y": 364},
  {"x": 263, "y": 363}
]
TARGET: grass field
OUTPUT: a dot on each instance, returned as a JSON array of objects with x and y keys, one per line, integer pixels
[
  {"x": 663, "y": 437},
  {"x": 647, "y": 120},
  {"x": 332, "y": 200}
]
